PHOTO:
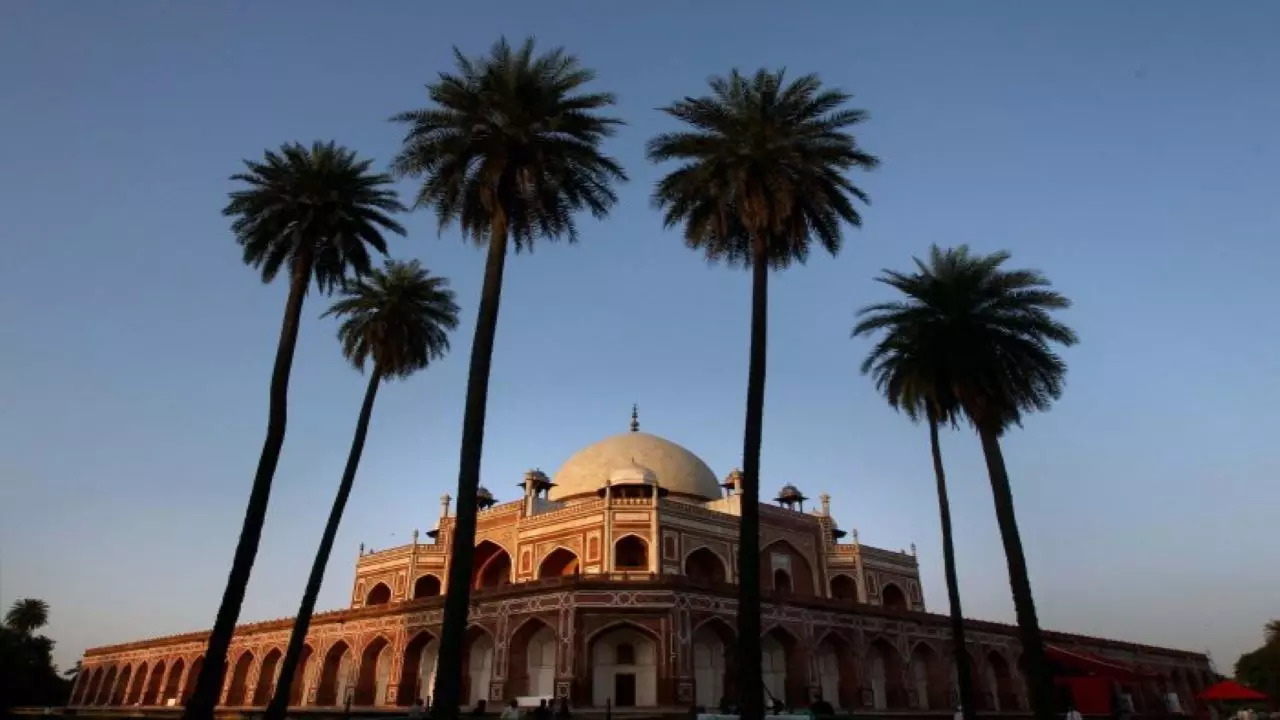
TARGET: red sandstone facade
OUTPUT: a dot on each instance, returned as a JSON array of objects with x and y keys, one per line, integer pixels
[{"x": 615, "y": 584}]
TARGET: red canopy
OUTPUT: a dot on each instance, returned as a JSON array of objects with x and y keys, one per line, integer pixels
[
  {"x": 1231, "y": 690},
  {"x": 1093, "y": 665}
]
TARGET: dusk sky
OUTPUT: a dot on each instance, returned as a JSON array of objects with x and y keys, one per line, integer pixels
[{"x": 1128, "y": 150}]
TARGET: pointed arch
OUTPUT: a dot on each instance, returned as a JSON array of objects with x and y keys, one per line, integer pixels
[
  {"x": 884, "y": 675},
  {"x": 844, "y": 587},
  {"x": 151, "y": 690},
  {"x": 929, "y": 680},
  {"x": 558, "y": 563},
  {"x": 267, "y": 676},
  {"x": 379, "y": 594},
  {"x": 90, "y": 693},
  {"x": 427, "y": 585},
  {"x": 892, "y": 597},
  {"x": 189, "y": 681},
  {"x": 133, "y": 695},
  {"x": 298, "y": 686},
  {"x": 237, "y": 694},
  {"x": 785, "y": 670},
  {"x": 374, "y": 673},
  {"x": 1000, "y": 682},
  {"x": 122, "y": 686},
  {"x": 631, "y": 552},
  {"x": 715, "y": 661},
  {"x": 418, "y": 668},
  {"x": 531, "y": 659},
  {"x": 838, "y": 680},
  {"x": 173, "y": 682},
  {"x": 108, "y": 687},
  {"x": 335, "y": 675},
  {"x": 705, "y": 566},
  {"x": 623, "y": 649},
  {"x": 478, "y": 650},
  {"x": 491, "y": 566},
  {"x": 780, "y": 554}
]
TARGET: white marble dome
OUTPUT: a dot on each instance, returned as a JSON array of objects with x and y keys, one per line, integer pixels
[{"x": 676, "y": 469}]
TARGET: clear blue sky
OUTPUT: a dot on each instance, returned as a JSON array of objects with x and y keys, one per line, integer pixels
[{"x": 1128, "y": 150}]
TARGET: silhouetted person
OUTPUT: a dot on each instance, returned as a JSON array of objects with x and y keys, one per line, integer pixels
[
  {"x": 562, "y": 709},
  {"x": 542, "y": 712},
  {"x": 511, "y": 712},
  {"x": 479, "y": 709},
  {"x": 821, "y": 707}
]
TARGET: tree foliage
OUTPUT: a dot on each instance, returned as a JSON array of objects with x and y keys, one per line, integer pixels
[
  {"x": 1260, "y": 668},
  {"x": 28, "y": 676}
]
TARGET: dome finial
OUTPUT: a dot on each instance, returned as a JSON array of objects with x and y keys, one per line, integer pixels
[{"x": 635, "y": 417}]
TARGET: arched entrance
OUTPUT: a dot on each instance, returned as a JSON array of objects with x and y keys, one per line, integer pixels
[
  {"x": 837, "y": 672},
  {"x": 189, "y": 683},
  {"x": 782, "y": 581},
  {"x": 492, "y": 566},
  {"x": 336, "y": 675},
  {"x": 267, "y": 677},
  {"x": 559, "y": 563},
  {"x": 418, "y": 669},
  {"x": 122, "y": 686},
  {"x": 783, "y": 670},
  {"x": 783, "y": 556},
  {"x": 624, "y": 667},
  {"x": 379, "y": 594},
  {"x": 892, "y": 597},
  {"x": 531, "y": 663},
  {"x": 705, "y": 567},
  {"x": 298, "y": 686},
  {"x": 1000, "y": 683},
  {"x": 844, "y": 587},
  {"x": 134, "y": 695},
  {"x": 103, "y": 696},
  {"x": 631, "y": 553},
  {"x": 375, "y": 673},
  {"x": 173, "y": 683},
  {"x": 477, "y": 663},
  {"x": 90, "y": 695},
  {"x": 426, "y": 586},
  {"x": 240, "y": 680},
  {"x": 884, "y": 670},
  {"x": 929, "y": 680},
  {"x": 152, "y": 690},
  {"x": 714, "y": 662}
]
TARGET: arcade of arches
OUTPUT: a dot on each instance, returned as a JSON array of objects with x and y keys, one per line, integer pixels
[{"x": 607, "y": 658}]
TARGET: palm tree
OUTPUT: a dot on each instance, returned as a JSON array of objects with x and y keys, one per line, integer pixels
[
  {"x": 314, "y": 212},
  {"x": 761, "y": 177},
  {"x": 990, "y": 333},
  {"x": 910, "y": 370},
  {"x": 1272, "y": 631},
  {"x": 510, "y": 152},
  {"x": 401, "y": 317},
  {"x": 27, "y": 615}
]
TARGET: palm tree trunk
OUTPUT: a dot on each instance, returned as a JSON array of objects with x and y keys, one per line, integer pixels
[
  {"x": 1035, "y": 667},
  {"x": 279, "y": 704},
  {"x": 208, "y": 687},
  {"x": 750, "y": 682},
  {"x": 448, "y": 690},
  {"x": 964, "y": 669}
]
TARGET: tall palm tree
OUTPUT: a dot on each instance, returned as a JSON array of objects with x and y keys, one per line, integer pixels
[
  {"x": 991, "y": 333},
  {"x": 510, "y": 152},
  {"x": 761, "y": 177},
  {"x": 401, "y": 318},
  {"x": 910, "y": 370},
  {"x": 314, "y": 212},
  {"x": 27, "y": 615}
]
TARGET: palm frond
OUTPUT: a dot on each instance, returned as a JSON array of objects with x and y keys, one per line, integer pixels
[
  {"x": 319, "y": 206},
  {"x": 968, "y": 337},
  {"x": 512, "y": 136},
  {"x": 399, "y": 315}
]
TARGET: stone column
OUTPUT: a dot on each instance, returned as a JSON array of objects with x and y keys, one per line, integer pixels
[{"x": 566, "y": 646}]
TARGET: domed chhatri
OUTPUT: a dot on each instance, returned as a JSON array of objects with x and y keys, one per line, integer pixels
[
  {"x": 675, "y": 469},
  {"x": 484, "y": 498}
]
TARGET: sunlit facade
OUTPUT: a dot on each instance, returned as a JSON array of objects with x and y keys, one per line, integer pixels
[{"x": 613, "y": 582}]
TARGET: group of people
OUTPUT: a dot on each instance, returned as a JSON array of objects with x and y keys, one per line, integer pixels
[{"x": 511, "y": 712}]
